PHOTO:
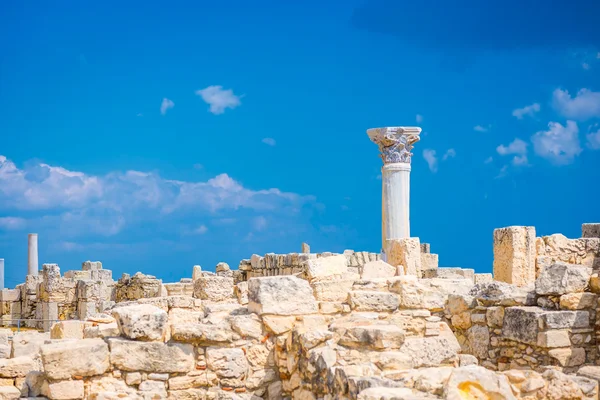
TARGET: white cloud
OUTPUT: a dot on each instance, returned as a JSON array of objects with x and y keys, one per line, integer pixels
[
  {"x": 269, "y": 141},
  {"x": 530, "y": 110},
  {"x": 585, "y": 66},
  {"x": 593, "y": 140},
  {"x": 585, "y": 105},
  {"x": 260, "y": 223},
  {"x": 451, "y": 153},
  {"x": 559, "y": 144},
  {"x": 517, "y": 146},
  {"x": 78, "y": 203},
  {"x": 520, "y": 160},
  {"x": 201, "y": 230},
  {"x": 219, "y": 99},
  {"x": 432, "y": 162},
  {"x": 12, "y": 223},
  {"x": 488, "y": 160},
  {"x": 165, "y": 105},
  {"x": 419, "y": 118},
  {"x": 480, "y": 128}
]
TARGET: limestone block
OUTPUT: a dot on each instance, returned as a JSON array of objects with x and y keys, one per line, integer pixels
[
  {"x": 67, "y": 330},
  {"x": 522, "y": 324},
  {"x": 333, "y": 290},
  {"x": 5, "y": 351},
  {"x": 10, "y": 295},
  {"x": 562, "y": 278},
  {"x": 467, "y": 359},
  {"x": 214, "y": 288},
  {"x": 142, "y": 322},
  {"x": 9, "y": 393},
  {"x": 278, "y": 324},
  {"x": 431, "y": 351},
  {"x": 196, "y": 273},
  {"x": 28, "y": 343},
  {"x": 227, "y": 363},
  {"x": 86, "y": 309},
  {"x": 247, "y": 326},
  {"x": 280, "y": 296},
  {"x": 477, "y": 382},
  {"x": 494, "y": 316},
  {"x": 590, "y": 230},
  {"x": 377, "y": 269},
  {"x": 414, "y": 295},
  {"x": 429, "y": 262},
  {"x": 499, "y": 293},
  {"x": 17, "y": 367},
  {"x": 68, "y": 359},
  {"x": 483, "y": 278},
  {"x": 376, "y": 337},
  {"x": 514, "y": 255},
  {"x": 65, "y": 390},
  {"x": 405, "y": 252},
  {"x": 203, "y": 334},
  {"x": 578, "y": 301},
  {"x": 565, "y": 319},
  {"x": 91, "y": 265},
  {"x": 570, "y": 357},
  {"x": 554, "y": 338},
  {"x": 313, "y": 337},
  {"x": 373, "y": 301},
  {"x": 49, "y": 315},
  {"x": 193, "y": 380},
  {"x": 184, "y": 316},
  {"x": 326, "y": 267},
  {"x": 78, "y": 275},
  {"x": 451, "y": 273},
  {"x": 478, "y": 337},
  {"x": 157, "y": 356}
]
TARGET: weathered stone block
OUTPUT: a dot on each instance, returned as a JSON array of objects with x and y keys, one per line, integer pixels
[
  {"x": 405, "y": 252},
  {"x": 570, "y": 357},
  {"x": 281, "y": 296},
  {"x": 128, "y": 355},
  {"x": 483, "y": 278},
  {"x": 9, "y": 393},
  {"x": 10, "y": 295},
  {"x": 203, "y": 334},
  {"x": 429, "y": 262},
  {"x": 565, "y": 319},
  {"x": 415, "y": 295},
  {"x": 332, "y": 290},
  {"x": 214, "y": 288},
  {"x": 68, "y": 359},
  {"x": 65, "y": 390},
  {"x": 227, "y": 363},
  {"x": 562, "y": 278},
  {"x": 555, "y": 338},
  {"x": 67, "y": 330},
  {"x": 590, "y": 230},
  {"x": 326, "y": 267},
  {"x": 472, "y": 380},
  {"x": 522, "y": 324},
  {"x": 17, "y": 367},
  {"x": 514, "y": 255},
  {"x": 373, "y": 301},
  {"x": 377, "y": 269},
  {"x": 578, "y": 301},
  {"x": 142, "y": 322},
  {"x": 373, "y": 336}
]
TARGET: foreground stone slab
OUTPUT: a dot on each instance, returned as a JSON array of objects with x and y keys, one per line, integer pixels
[
  {"x": 142, "y": 322},
  {"x": 65, "y": 360},
  {"x": 514, "y": 255},
  {"x": 158, "y": 357},
  {"x": 281, "y": 295},
  {"x": 474, "y": 382},
  {"x": 9, "y": 393},
  {"x": 65, "y": 390}
]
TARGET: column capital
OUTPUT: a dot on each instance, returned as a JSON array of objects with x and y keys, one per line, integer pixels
[{"x": 395, "y": 143}]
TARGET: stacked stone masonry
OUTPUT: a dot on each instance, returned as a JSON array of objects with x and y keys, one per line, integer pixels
[{"x": 335, "y": 329}]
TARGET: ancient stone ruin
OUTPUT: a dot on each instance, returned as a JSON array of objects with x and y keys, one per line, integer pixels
[{"x": 357, "y": 325}]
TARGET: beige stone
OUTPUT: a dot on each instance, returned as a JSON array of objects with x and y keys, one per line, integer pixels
[
  {"x": 405, "y": 252},
  {"x": 132, "y": 356},
  {"x": 65, "y": 360},
  {"x": 67, "y": 330},
  {"x": 214, "y": 288},
  {"x": 558, "y": 338},
  {"x": 374, "y": 336},
  {"x": 278, "y": 324},
  {"x": 281, "y": 295},
  {"x": 333, "y": 290},
  {"x": 514, "y": 255},
  {"x": 16, "y": 367},
  {"x": 570, "y": 357},
  {"x": 227, "y": 363},
  {"x": 65, "y": 390},
  {"x": 9, "y": 393},
  {"x": 578, "y": 301},
  {"x": 373, "y": 301},
  {"x": 377, "y": 269},
  {"x": 326, "y": 267}
]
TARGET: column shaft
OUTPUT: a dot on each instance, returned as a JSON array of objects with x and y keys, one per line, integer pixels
[
  {"x": 32, "y": 260},
  {"x": 396, "y": 201}
]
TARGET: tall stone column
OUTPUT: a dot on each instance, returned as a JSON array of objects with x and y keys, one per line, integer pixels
[
  {"x": 32, "y": 260},
  {"x": 395, "y": 145}
]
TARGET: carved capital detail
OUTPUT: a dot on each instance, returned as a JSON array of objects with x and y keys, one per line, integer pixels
[{"x": 395, "y": 143}]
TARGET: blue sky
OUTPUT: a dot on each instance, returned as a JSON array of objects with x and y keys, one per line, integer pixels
[{"x": 154, "y": 136}]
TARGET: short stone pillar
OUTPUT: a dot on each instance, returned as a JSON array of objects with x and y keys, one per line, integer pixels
[
  {"x": 32, "y": 259},
  {"x": 514, "y": 255},
  {"x": 305, "y": 248},
  {"x": 395, "y": 145}
]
